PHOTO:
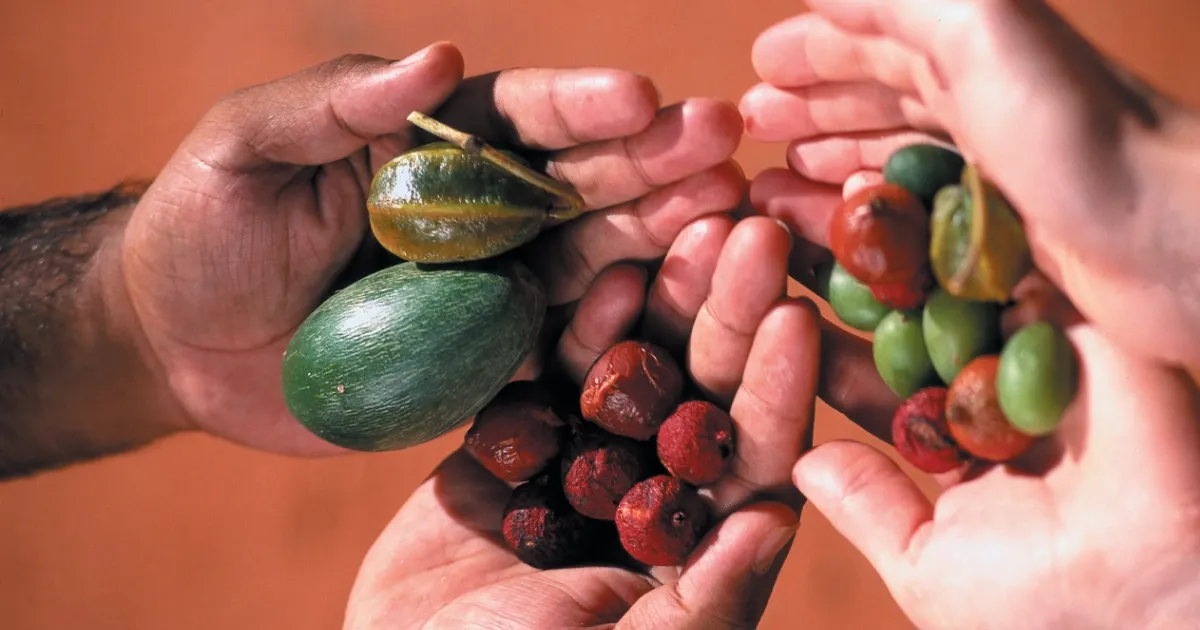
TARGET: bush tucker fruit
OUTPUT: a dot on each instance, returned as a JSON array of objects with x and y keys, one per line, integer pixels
[
  {"x": 905, "y": 295},
  {"x": 696, "y": 442},
  {"x": 923, "y": 169},
  {"x": 411, "y": 352},
  {"x": 956, "y": 331},
  {"x": 973, "y": 414},
  {"x": 517, "y": 434},
  {"x": 1037, "y": 378},
  {"x": 900, "y": 354},
  {"x": 660, "y": 521},
  {"x": 541, "y": 528},
  {"x": 921, "y": 435},
  {"x": 881, "y": 235},
  {"x": 599, "y": 468},
  {"x": 631, "y": 389},
  {"x": 853, "y": 301}
]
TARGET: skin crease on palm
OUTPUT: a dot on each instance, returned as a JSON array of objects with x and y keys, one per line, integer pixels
[{"x": 1098, "y": 525}]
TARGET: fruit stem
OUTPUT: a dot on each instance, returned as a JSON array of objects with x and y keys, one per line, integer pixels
[
  {"x": 979, "y": 220},
  {"x": 475, "y": 144}
]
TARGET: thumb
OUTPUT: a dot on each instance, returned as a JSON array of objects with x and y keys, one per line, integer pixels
[
  {"x": 728, "y": 579},
  {"x": 323, "y": 113},
  {"x": 869, "y": 500}
]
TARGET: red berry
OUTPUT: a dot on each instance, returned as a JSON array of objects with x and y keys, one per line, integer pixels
[
  {"x": 631, "y": 388},
  {"x": 920, "y": 433},
  {"x": 660, "y": 521},
  {"x": 695, "y": 442},
  {"x": 974, "y": 417},
  {"x": 881, "y": 235},
  {"x": 517, "y": 433},
  {"x": 541, "y": 528},
  {"x": 904, "y": 296},
  {"x": 599, "y": 468}
]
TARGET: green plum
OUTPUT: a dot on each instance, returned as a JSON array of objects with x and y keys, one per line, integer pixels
[
  {"x": 1037, "y": 378},
  {"x": 900, "y": 354}
]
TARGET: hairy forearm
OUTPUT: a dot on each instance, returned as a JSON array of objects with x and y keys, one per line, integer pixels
[{"x": 75, "y": 381}]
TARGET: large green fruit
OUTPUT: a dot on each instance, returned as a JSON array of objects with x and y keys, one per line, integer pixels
[
  {"x": 957, "y": 331},
  {"x": 1037, "y": 378},
  {"x": 923, "y": 169},
  {"x": 853, "y": 301},
  {"x": 411, "y": 352},
  {"x": 900, "y": 354}
]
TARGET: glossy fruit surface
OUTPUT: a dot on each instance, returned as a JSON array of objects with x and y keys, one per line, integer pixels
[
  {"x": 853, "y": 302},
  {"x": 973, "y": 414},
  {"x": 923, "y": 169},
  {"x": 631, "y": 389},
  {"x": 517, "y": 434},
  {"x": 956, "y": 331},
  {"x": 900, "y": 354},
  {"x": 881, "y": 235},
  {"x": 1037, "y": 378},
  {"x": 438, "y": 203}
]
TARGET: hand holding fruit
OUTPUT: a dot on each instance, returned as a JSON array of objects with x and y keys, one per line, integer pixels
[
  {"x": 262, "y": 214},
  {"x": 647, "y": 459},
  {"x": 1100, "y": 168}
]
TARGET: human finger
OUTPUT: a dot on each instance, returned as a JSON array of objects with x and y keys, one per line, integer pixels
[
  {"x": 775, "y": 114},
  {"x": 605, "y": 315}
]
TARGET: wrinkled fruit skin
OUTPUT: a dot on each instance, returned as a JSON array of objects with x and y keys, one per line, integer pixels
[
  {"x": 973, "y": 413},
  {"x": 598, "y": 469},
  {"x": 696, "y": 442},
  {"x": 631, "y": 389},
  {"x": 881, "y": 235},
  {"x": 541, "y": 528},
  {"x": 517, "y": 434},
  {"x": 660, "y": 521},
  {"x": 921, "y": 435},
  {"x": 906, "y": 295}
]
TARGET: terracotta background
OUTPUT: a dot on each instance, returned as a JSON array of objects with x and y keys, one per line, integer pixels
[{"x": 198, "y": 534}]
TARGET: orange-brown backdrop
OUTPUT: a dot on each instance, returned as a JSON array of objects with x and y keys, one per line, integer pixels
[{"x": 197, "y": 534}]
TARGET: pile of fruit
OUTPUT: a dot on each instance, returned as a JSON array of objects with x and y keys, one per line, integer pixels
[
  {"x": 629, "y": 452},
  {"x": 927, "y": 261}
]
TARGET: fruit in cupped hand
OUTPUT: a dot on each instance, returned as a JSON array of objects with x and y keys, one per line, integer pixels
[
  {"x": 956, "y": 331},
  {"x": 517, "y": 434},
  {"x": 905, "y": 295},
  {"x": 599, "y": 468},
  {"x": 696, "y": 442},
  {"x": 921, "y": 435},
  {"x": 974, "y": 416},
  {"x": 977, "y": 248},
  {"x": 631, "y": 389},
  {"x": 410, "y": 352},
  {"x": 923, "y": 169},
  {"x": 541, "y": 528},
  {"x": 661, "y": 520},
  {"x": 881, "y": 235},
  {"x": 853, "y": 302},
  {"x": 901, "y": 357},
  {"x": 1037, "y": 378}
]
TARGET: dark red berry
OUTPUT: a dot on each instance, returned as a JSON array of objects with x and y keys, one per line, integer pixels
[
  {"x": 631, "y": 389},
  {"x": 661, "y": 520},
  {"x": 517, "y": 434},
  {"x": 920, "y": 433},
  {"x": 598, "y": 468},
  {"x": 696, "y": 442},
  {"x": 881, "y": 235},
  {"x": 541, "y": 528}
]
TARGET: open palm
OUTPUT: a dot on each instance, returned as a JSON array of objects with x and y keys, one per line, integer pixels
[
  {"x": 261, "y": 213},
  {"x": 721, "y": 295}
]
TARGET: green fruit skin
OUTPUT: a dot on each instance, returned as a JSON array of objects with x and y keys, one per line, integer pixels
[
  {"x": 853, "y": 302},
  {"x": 900, "y": 354},
  {"x": 411, "y": 352},
  {"x": 923, "y": 169},
  {"x": 957, "y": 330},
  {"x": 1037, "y": 378}
]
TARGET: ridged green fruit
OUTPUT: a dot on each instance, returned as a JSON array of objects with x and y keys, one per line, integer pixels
[{"x": 411, "y": 352}]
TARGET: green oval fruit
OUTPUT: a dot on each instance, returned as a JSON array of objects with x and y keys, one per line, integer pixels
[
  {"x": 853, "y": 301},
  {"x": 1037, "y": 378},
  {"x": 923, "y": 169},
  {"x": 900, "y": 354},
  {"x": 439, "y": 203},
  {"x": 411, "y": 352},
  {"x": 957, "y": 330}
]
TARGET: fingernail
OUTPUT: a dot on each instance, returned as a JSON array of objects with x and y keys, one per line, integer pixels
[
  {"x": 772, "y": 544},
  {"x": 787, "y": 230},
  {"x": 413, "y": 58}
]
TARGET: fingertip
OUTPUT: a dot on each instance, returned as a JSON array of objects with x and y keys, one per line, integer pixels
[
  {"x": 633, "y": 101},
  {"x": 778, "y": 55},
  {"x": 804, "y": 205},
  {"x": 716, "y": 119}
]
